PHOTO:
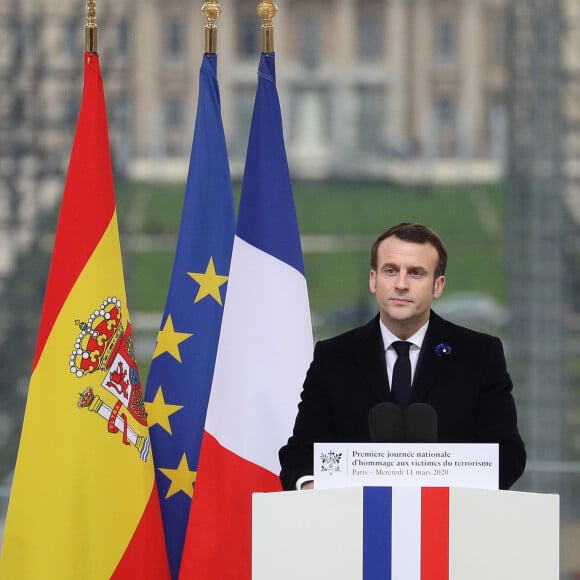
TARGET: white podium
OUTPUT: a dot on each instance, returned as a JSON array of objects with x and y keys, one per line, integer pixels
[{"x": 405, "y": 533}]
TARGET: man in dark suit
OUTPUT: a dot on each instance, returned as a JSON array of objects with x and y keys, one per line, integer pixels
[{"x": 459, "y": 372}]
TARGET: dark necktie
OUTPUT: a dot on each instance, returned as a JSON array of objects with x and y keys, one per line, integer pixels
[{"x": 401, "y": 387}]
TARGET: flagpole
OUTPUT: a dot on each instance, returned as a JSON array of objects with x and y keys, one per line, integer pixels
[
  {"x": 266, "y": 11},
  {"x": 91, "y": 28},
  {"x": 211, "y": 11}
]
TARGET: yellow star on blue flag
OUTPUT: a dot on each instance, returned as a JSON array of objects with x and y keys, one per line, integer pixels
[
  {"x": 209, "y": 283},
  {"x": 158, "y": 411},
  {"x": 168, "y": 340},
  {"x": 182, "y": 478}
]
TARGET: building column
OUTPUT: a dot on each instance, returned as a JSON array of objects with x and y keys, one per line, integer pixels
[
  {"x": 421, "y": 48},
  {"x": 472, "y": 50},
  {"x": 148, "y": 106},
  {"x": 398, "y": 45},
  {"x": 343, "y": 128}
]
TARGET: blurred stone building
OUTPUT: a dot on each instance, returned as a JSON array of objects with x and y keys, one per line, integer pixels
[
  {"x": 396, "y": 88},
  {"x": 364, "y": 83},
  {"x": 403, "y": 89}
]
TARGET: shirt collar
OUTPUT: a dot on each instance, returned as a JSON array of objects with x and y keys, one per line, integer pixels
[{"x": 416, "y": 339}]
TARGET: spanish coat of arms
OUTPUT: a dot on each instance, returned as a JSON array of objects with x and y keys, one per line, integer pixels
[{"x": 103, "y": 351}]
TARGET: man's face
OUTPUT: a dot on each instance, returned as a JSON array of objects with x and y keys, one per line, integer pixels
[{"x": 404, "y": 284}]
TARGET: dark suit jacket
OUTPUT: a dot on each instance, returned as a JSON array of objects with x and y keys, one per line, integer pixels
[{"x": 469, "y": 389}]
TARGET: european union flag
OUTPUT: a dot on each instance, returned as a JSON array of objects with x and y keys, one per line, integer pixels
[{"x": 179, "y": 381}]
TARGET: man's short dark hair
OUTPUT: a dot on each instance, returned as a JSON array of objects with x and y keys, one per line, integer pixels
[{"x": 417, "y": 234}]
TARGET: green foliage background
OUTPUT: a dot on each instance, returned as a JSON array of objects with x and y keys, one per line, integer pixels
[{"x": 470, "y": 218}]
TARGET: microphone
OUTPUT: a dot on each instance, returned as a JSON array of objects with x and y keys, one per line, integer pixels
[
  {"x": 386, "y": 423},
  {"x": 420, "y": 423}
]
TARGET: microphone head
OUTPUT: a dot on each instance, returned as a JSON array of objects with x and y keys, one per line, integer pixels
[
  {"x": 420, "y": 423},
  {"x": 386, "y": 423}
]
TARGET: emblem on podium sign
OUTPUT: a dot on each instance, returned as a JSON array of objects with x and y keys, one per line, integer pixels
[
  {"x": 330, "y": 462},
  {"x": 103, "y": 351}
]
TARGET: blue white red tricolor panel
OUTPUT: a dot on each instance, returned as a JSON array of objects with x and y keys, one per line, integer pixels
[{"x": 405, "y": 533}]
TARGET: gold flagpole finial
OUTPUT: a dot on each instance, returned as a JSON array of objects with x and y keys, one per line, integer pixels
[
  {"x": 211, "y": 11},
  {"x": 266, "y": 11},
  {"x": 91, "y": 27}
]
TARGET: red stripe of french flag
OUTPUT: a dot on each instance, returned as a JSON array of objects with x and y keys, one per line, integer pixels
[{"x": 435, "y": 533}]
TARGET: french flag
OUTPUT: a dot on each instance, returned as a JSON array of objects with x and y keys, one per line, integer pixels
[{"x": 264, "y": 349}]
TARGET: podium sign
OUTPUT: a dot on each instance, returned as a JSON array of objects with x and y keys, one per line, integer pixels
[{"x": 406, "y": 464}]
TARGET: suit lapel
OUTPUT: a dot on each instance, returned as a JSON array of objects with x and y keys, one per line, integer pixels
[
  {"x": 429, "y": 365},
  {"x": 371, "y": 358},
  {"x": 370, "y": 354}
]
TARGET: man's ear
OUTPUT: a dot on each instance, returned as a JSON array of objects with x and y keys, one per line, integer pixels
[
  {"x": 373, "y": 282},
  {"x": 438, "y": 286}
]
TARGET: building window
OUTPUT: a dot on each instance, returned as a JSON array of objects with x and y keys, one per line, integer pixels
[
  {"x": 371, "y": 32},
  {"x": 445, "y": 126},
  {"x": 498, "y": 125},
  {"x": 243, "y": 107},
  {"x": 174, "y": 117},
  {"x": 121, "y": 110},
  {"x": 123, "y": 39},
  {"x": 18, "y": 108},
  {"x": 446, "y": 48},
  {"x": 70, "y": 110},
  {"x": 370, "y": 120},
  {"x": 310, "y": 118},
  {"x": 72, "y": 39},
  {"x": 175, "y": 40},
  {"x": 248, "y": 34},
  {"x": 21, "y": 38},
  {"x": 496, "y": 39},
  {"x": 445, "y": 113},
  {"x": 174, "y": 113},
  {"x": 310, "y": 40}
]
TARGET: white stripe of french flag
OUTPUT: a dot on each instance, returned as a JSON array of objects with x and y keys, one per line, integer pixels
[{"x": 266, "y": 346}]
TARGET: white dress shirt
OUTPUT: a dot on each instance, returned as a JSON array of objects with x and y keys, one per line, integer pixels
[{"x": 391, "y": 355}]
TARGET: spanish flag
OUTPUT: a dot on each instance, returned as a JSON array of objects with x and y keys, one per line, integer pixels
[{"x": 84, "y": 502}]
